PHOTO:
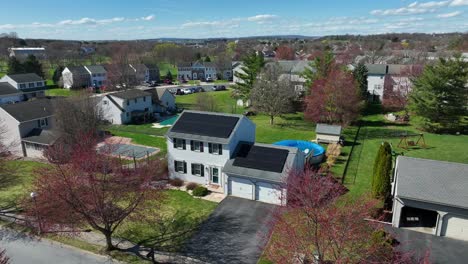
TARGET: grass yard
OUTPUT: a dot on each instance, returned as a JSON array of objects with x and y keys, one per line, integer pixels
[
  {"x": 144, "y": 139},
  {"x": 224, "y": 102},
  {"x": 59, "y": 92},
  {"x": 164, "y": 67}
]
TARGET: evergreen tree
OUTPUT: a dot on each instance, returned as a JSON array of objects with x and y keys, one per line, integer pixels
[
  {"x": 440, "y": 96},
  {"x": 169, "y": 76},
  {"x": 252, "y": 66},
  {"x": 32, "y": 65},
  {"x": 382, "y": 173},
  {"x": 207, "y": 59},
  {"x": 14, "y": 66},
  {"x": 57, "y": 74},
  {"x": 360, "y": 75},
  {"x": 319, "y": 68}
]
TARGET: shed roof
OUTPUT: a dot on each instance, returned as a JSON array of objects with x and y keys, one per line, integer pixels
[{"x": 334, "y": 130}]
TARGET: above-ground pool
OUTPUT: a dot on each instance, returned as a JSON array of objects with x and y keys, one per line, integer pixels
[{"x": 314, "y": 152}]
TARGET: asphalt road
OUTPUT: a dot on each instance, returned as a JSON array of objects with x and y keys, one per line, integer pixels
[
  {"x": 232, "y": 234},
  {"x": 22, "y": 249}
]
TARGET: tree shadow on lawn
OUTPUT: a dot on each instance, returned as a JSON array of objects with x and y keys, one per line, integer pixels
[
  {"x": 382, "y": 133},
  {"x": 381, "y": 123}
]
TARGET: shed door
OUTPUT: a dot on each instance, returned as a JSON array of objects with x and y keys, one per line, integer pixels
[
  {"x": 456, "y": 227},
  {"x": 268, "y": 193},
  {"x": 242, "y": 188}
]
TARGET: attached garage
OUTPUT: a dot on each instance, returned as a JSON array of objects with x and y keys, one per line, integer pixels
[
  {"x": 253, "y": 189},
  {"x": 268, "y": 193},
  {"x": 456, "y": 227},
  {"x": 240, "y": 187}
]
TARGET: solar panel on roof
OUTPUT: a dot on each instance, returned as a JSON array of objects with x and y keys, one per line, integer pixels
[
  {"x": 261, "y": 158},
  {"x": 205, "y": 125}
]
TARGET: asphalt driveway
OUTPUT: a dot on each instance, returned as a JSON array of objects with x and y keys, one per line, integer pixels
[{"x": 232, "y": 233}]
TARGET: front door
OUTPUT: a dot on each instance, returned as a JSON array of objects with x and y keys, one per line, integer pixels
[{"x": 215, "y": 175}]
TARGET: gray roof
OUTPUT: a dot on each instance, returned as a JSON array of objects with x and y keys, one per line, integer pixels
[
  {"x": 140, "y": 67},
  {"x": 26, "y": 77},
  {"x": 42, "y": 136},
  {"x": 7, "y": 89},
  {"x": 78, "y": 70},
  {"x": 438, "y": 182},
  {"x": 96, "y": 69},
  {"x": 292, "y": 66},
  {"x": 231, "y": 169},
  {"x": 334, "y": 130},
  {"x": 157, "y": 93},
  {"x": 30, "y": 110},
  {"x": 377, "y": 69},
  {"x": 130, "y": 94}
]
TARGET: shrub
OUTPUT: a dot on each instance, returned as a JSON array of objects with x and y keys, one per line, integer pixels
[
  {"x": 176, "y": 182},
  {"x": 200, "y": 191},
  {"x": 191, "y": 186},
  {"x": 381, "y": 177}
]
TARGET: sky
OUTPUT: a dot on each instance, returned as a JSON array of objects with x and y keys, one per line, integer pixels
[{"x": 145, "y": 19}]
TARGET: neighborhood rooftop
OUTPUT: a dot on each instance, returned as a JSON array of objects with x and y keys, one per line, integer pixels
[
  {"x": 30, "y": 110},
  {"x": 206, "y": 124},
  {"x": 80, "y": 70},
  {"x": 261, "y": 158},
  {"x": 6, "y": 89},
  {"x": 42, "y": 136},
  {"x": 130, "y": 94},
  {"x": 328, "y": 129},
  {"x": 96, "y": 69},
  {"x": 438, "y": 182},
  {"x": 25, "y": 77}
]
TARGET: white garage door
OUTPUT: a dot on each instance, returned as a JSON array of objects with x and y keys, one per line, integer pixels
[
  {"x": 456, "y": 227},
  {"x": 240, "y": 188},
  {"x": 268, "y": 193}
]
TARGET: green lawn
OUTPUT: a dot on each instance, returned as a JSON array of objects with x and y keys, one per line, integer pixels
[
  {"x": 164, "y": 67},
  {"x": 144, "y": 139},
  {"x": 59, "y": 92},
  {"x": 224, "y": 101}
]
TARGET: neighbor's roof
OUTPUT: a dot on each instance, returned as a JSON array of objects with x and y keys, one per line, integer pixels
[
  {"x": 157, "y": 93},
  {"x": 139, "y": 67},
  {"x": 328, "y": 129},
  {"x": 42, "y": 136},
  {"x": 262, "y": 161},
  {"x": 25, "y": 77},
  {"x": 79, "y": 70},
  {"x": 30, "y": 110},
  {"x": 6, "y": 89},
  {"x": 205, "y": 126},
  {"x": 438, "y": 182},
  {"x": 96, "y": 69},
  {"x": 130, "y": 94},
  {"x": 292, "y": 66},
  {"x": 380, "y": 69}
]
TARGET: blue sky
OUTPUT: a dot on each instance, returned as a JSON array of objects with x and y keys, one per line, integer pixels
[{"x": 140, "y": 19}]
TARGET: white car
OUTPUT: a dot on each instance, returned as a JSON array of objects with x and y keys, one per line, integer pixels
[{"x": 187, "y": 91}]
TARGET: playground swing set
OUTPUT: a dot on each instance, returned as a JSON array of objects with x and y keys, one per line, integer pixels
[{"x": 406, "y": 142}]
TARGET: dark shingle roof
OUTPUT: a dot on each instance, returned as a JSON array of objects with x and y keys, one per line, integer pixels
[
  {"x": 206, "y": 124},
  {"x": 6, "y": 89},
  {"x": 31, "y": 110},
  {"x": 432, "y": 181},
  {"x": 261, "y": 158},
  {"x": 25, "y": 77},
  {"x": 78, "y": 70},
  {"x": 379, "y": 69},
  {"x": 42, "y": 136},
  {"x": 130, "y": 94},
  {"x": 96, "y": 69},
  {"x": 328, "y": 129}
]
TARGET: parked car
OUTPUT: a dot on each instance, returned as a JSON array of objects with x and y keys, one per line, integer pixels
[
  {"x": 209, "y": 79},
  {"x": 187, "y": 91},
  {"x": 167, "y": 81},
  {"x": 199, "y": 89},
  {"x": 179, "y": 92},
  {"x": 219, "y": 88},
  {"x": 194, "y": 90}
]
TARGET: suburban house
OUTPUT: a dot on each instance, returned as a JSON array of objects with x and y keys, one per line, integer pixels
[
  {"x": 431, "y": 196},
  {"x": 237, "y": 68},
  {"x": 141, "y": 72},
  {"x": 292, "y": 70},
  {"x": 29, "y": 127},
  {"x": 328, "y": 133},
  {"x": 21, "y": 87},
  {"x": 200, "y": 70},
  {"x": 153, "y": 71},
  {"x": 163, "y": 100},
  {"x": 98, "y": 75},
  {"x": 218, "y": 150},
  {"x": 23, "y": 52},
  {"x": 388, "y": 76},
  {"x": 126, "y": 106},
  {"x": 76, "y": 77}
]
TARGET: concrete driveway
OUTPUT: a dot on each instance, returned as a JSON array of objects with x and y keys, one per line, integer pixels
[
  {"x": 232, "y": 233},
  {"x": 441, "y": 249}
]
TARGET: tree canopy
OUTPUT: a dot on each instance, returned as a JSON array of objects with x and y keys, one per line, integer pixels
[{"x": 252, "y": 65}]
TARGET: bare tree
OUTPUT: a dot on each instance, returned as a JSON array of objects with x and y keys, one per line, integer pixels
[
  {"x": 206, "y": 102},
  {"x": 273, "y": 93}
]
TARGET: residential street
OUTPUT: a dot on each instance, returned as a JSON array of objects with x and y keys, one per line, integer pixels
[{"x": 25, "y": 250}]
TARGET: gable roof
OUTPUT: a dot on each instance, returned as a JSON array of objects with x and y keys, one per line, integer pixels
[
  {"x": 334, "y": 130},
  {"x": 130, "y": 94},
  {"x": 6, "y": 89},
  {"x": 139, "y": 67},
  {"x": 42, "y": 136},
  {"x": 96, "y": 69},
  {"x": 78, "y": 70},
  {"x": 377, "y": 69},
  {"x": 157, "y": 93},
  {"x": 30, "y": 110},
  {"x": 438, "y": 182},
  {"x": 25, "y": 77}
]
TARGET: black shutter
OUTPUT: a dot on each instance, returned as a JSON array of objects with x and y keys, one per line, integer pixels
[
  {"x": 174, "y": 141},
  {"x": 210, "y": 148},
  {"x": 192, "y": 167},
  {"x": 201, "y": 146},
  {"x": 220, "y": 147},
  {"x": 175, "y": 165},
  {"x": 185, "y": 167},
  {"x": 38, "y": 123},
  {"x": 183, "y": 144},
  {"x": 191, "y": 145},
  {"x": 202, "y": 169}
]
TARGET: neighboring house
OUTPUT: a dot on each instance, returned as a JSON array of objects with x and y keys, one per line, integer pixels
[
  {"x": 9, "y": 94},
  {"x": 126, "y": 106},
  {"x": 30, "y": 85},
  {"x": 200, "y": 70},
  {"x": 24, "y": 52},
  {"x": 121, "y": 75},
  {"x": 431, "y": 196},
  {"x": 76, "y": 77},
  {"x": 292, "y": 70},
  {"x": 237, "y": 68},
  {"x": 328, "y": 133},
  {"x": 98, "y": 75},
  {"x": 218, "y": 150},
  {"x": 163, "y": 100},
  {"x": 29, "y": 127},
  {"x": 87, "y": 50},
  {"x": 154, "y": 74},
  {"x": 382, "y": 76},
  {"x": 376, "y": 79},
  {"x": 141, "y": 73}
]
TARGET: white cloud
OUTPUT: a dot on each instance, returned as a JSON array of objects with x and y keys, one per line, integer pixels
[
  {"x": 91, "y": 21},
  {"x": 459, "y": 3},
  {"x": 148, "y": 18},
  {"x": 413, "y": 8},
  {"x": 262, "y": 18},
  {"x": 448, "y": 15}
]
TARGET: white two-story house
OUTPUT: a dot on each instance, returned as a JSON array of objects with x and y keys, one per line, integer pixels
[
  {"x": 203, "y": 71},
  {"x": 126, "y": 106},
  {"x": 218, "y": 150},
  {"x": 21, "y": 87}
]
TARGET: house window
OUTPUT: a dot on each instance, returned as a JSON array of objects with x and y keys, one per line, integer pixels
[
  {"x": 377, "y": 87},
  {"x": 216, "y": 149},
  {"x": 180, "y": 166},
  {"x": 198, "y": 170},
  {"x": 128, "y": 114},
  {"x": 196, "y": 146},
  {"x": 42, "y": 122},
  {"x": 39, "y": 84},
  {"x": 144, "y": 99},
  {"x": 136, "y": 100},
  {"x": 128, "y": 102},
  {"x": 105, "y": 102},
  {"x": 179, "y": 143},
  {"x": 31, "y": 85},
  {"x": 22, "y": 85}
]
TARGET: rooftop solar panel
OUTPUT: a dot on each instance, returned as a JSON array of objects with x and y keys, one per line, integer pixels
[
  {"x": 209, "y": 125},
  {"x": 261, "y": 158}
]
